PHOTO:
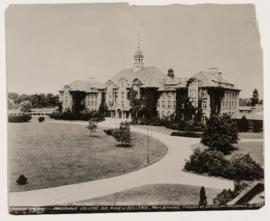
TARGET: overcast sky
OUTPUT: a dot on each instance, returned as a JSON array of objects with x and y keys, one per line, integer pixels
[{"x": 49, "y": 46}]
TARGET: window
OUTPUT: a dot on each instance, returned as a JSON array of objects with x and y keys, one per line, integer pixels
[
  {"x": 163, "y": 103},
  {"x": 169, "y": 94},
  {"x": 203, "y": 119},
  {"x": 204, "y": 105},
  {"x": 169, "y": 104},
  {"x": 122, "y": 103},
  {"x": 123, "y": 94},
  {"x": 174, "y": 104},
  {"x": 158, "y": 104}
]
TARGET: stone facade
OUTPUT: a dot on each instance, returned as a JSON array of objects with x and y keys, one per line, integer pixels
[{"x": 117, "y": 90}]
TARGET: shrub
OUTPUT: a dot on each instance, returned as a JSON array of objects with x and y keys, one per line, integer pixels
[
  {"x": 243, "y": 167},
  {"x": 227, "y": 195},
  {"x": 122, "y": 134},
  {"x": 212, "y": 162},
  {"x": 220, "y": 133},
  {"x": 41, "y": 119},
  {"x": 84, "y": 116},
  {"x": 22, "y": 180},
  {"x": 243, "y": 124},
  {"x": 25, "y": 106},
  {"x": 19, "y": 118},
  {"x": 92, "y": 127},
  {"x": 109, "y": 131},
  {"x": 203, "y": 198},
  {"x": 207, "y": 161},
  {"x": 257, "y": 126},
  {"x": 186, "y": 134}
]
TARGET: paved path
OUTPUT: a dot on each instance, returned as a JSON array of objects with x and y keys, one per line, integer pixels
[{"x": 167, "y": 170}]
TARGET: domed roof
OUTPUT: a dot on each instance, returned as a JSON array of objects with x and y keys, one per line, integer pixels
[{"x": 138, "y": 53}]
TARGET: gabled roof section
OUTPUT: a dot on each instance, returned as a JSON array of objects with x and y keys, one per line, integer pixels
[
  {"x": 87, "y": 86},
  {"x": 213, "y": 79},
  {"x": 149, "y": 76}
]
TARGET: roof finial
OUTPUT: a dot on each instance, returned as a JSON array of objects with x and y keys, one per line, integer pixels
[{"x": 139, "y": 40}]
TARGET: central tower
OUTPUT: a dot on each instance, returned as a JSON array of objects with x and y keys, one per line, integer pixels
[{"x": 138, "y": 57}]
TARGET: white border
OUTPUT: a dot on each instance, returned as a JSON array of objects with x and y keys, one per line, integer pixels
[{"x": 263, "y": 19}]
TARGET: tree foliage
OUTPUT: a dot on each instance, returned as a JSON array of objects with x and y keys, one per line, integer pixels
[
  {"x": 78, "y": 101},
  {"x": 255, "y": 97},
  {"x": 220, "y": 133},
  {"x": 216, "y": 96},
  {"x": 143, "y": 107},
  {"x": 122, "y": 134},
  {"x": 25, "y": 106},
  {"x": 226, "y": 196},
  {"x": 203, "y": 198},
  {"x": 243, "y": 124},
  {"x": 92, "y": 127},
  {"x": 38, "y": 100}
]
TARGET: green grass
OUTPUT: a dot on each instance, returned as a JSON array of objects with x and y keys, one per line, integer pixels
[
  {"x": 53, "y": 154},
  {"x": 255, "y": 149},
  {"x": 156, "y": 194}
]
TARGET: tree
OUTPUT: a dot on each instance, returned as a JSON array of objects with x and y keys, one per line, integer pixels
[
  {"x": 255, "y": 97},
  {"x": 220, "y": 133},
  {"x": 92, "y": 127},
  {"x": 25, "y": 106},
  {"x": 122, "y": 134},
  {"x": 243, "y": 124},
  {"x": 203, "y": 198}
]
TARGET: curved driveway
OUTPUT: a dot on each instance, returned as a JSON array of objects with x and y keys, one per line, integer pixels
[{"x": 167, "y": 170}]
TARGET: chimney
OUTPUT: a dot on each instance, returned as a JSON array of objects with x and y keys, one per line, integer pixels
[{"x": 170, "y": 73}]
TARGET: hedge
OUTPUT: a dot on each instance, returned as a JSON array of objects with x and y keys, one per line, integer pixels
[
  {"x": 19, "y": 118},
  {"x": 186, "y": 134},
  {"x": 213, "y": 162},
  {"x": 77, "y": 116}
]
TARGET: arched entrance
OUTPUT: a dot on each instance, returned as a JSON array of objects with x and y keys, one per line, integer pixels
[{"x": 119, "y": 113}]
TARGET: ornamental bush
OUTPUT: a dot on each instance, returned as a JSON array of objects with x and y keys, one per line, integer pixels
[
  {"x": 213, "y": 162},
  {"x": 122, "y": 134},
  {"x": 220, "y": 133},
  {"x": 19, "y": 118},
  {"x": 203, "y": 198},
  {"x": 92, "y": 127},
  {"x": 243, "y": 125},
  {"x": 206, "y": 161},
  {"x": 41, "y": 119},
  {"x": 243, "y": 167},
  {"x": 22, "y": 180}
]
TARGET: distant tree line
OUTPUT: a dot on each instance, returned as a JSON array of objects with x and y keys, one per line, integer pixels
[
  {"x": 37, "y": 100},
  {"x": 251, "y": 101}
]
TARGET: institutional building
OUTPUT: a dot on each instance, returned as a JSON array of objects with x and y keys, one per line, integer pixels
[{"x": 116, "y": 91}]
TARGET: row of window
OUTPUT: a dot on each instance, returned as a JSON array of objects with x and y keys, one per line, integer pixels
[
  {"x": 168, "y": 94},
  {"x": 91, "y": 102},
  {"x": 229, "y": 104},
  {"x": 168, "y": 104}
]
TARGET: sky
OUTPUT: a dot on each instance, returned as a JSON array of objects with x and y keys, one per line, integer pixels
[{"x": 48, "y": 46}]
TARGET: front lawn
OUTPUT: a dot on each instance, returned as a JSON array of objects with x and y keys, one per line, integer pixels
[
  {"x": 156, "y": 194},
  {"x": 55, "y": 154}
]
